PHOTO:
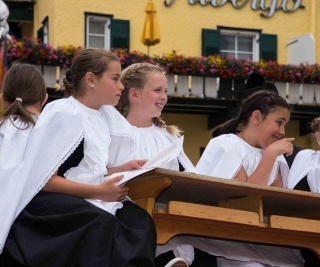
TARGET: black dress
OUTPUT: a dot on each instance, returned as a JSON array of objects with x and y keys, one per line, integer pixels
[
  {"x": 290, "y": 158},
  {"x": 57, "y": 230}
]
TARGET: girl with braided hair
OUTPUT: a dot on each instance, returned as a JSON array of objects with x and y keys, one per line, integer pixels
[{"x": 141, "y": 103}]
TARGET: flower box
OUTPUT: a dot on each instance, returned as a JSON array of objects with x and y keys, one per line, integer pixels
[{"x": 52, "y": 75}]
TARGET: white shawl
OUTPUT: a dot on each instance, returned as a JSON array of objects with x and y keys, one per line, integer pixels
[
  {"x": 93, "y": 167},
  {"x": 306, "y": 163},
  {"x": 146, "y": 142},
  {"x": 36, "y": 159},
  {"x": 225, "y": 154}
]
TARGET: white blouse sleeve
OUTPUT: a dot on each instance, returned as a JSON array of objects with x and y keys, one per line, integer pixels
[
  {"x": 222, "y": 158},
  {"x": 282, "y": 166}
]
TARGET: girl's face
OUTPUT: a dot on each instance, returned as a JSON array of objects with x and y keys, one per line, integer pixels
[
  {"x": 153, "y": 96},
  {"x": 107, "y": 88},
  {"x": 271, "y": 128}
]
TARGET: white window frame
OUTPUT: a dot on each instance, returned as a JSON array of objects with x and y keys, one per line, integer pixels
[
  {"x": 237, "y": 33},
  {"x": 45, "y": 25},
  {"x": 107, "y": 31}
]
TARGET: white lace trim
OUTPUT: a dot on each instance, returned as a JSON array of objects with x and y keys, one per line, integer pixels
[{"x": 55, "y": 168}]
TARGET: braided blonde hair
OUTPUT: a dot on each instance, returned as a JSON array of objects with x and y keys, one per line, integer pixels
[{"x": 136, "y": 75}]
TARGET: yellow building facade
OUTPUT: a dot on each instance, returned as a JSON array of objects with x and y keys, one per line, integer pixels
[
  {"x": 183, "y": 26},
  {"x": 181, "y": 23}
]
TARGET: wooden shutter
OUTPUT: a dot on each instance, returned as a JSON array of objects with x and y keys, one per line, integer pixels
[
  {"x": 120, "y": 33},
  {"x": 210, "y": 42},
  {"x": 40, "y": 33},
  {"x": 268, "y": 47}
]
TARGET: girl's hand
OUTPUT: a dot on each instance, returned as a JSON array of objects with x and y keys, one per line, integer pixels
[
  {"x": 132, "y": 165},
  {"x": 281, "y": 146},
  {"x": 128, "y": 166},
  {"x": 110, "y": 191}
]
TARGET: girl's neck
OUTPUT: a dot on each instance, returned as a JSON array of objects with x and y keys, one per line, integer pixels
[
  {"x": 248, "y": 138},
  {"x": 86, "y": 101},
  {"x": 34, "y": 109},
  {"x": 138, "y": 122}
]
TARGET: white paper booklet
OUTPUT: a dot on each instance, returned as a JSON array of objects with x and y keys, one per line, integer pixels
[{"x": 170, "y": 153}]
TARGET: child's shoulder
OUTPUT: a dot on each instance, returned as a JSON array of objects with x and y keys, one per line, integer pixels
[
  {"x": 225, "y": 139},
  {"x": 306, "y": 155},
  {"x": 62, "y": 113}
]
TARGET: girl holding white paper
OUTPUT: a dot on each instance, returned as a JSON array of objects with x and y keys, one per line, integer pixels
[{"x": 141, "y": 103}]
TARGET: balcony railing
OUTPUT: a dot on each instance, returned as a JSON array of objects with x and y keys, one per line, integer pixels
[
  {"x": 208, "y": 87},
  {"x": 214, "y": 97}
]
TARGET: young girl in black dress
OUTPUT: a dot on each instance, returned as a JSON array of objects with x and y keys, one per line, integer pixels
[{"x": 71, "y": 138}]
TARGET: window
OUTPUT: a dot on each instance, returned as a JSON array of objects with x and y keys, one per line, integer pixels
[
  {"x": 46, "y": 31},
  {"x": 239, "y": 44},
  {"x": 98, "y": 31},
  {"x": 43, "y": 32},
  {"x": 107, "y": 32}
]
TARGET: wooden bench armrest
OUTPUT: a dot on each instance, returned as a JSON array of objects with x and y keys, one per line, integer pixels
[
  {"x": 295, "y": 224},
  {"x": 148, "y": 188},
  {"x": 198, "y": 211},
  {"x": 251, "y": 203},
  {"x": 145, "y": 191}
]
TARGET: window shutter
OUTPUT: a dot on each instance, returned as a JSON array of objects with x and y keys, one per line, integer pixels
[
  {"x": 120, "y": 33},
  {"x": 268, "y": 47},
  {"x": 40, "y": 33},
  {"x": 210, "y": 42}
]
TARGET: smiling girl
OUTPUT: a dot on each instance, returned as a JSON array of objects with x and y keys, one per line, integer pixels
[
  {"x": 142, "y": 101},
  {"x": 255, "y": 153}
]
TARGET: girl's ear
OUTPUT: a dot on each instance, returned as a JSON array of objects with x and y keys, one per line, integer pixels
[
  {"x": 133, "y": 94},
  {"x": 256, "y": 117},
  {"x": 89, "y": 79},
  {"x": 45, "y": 100}
]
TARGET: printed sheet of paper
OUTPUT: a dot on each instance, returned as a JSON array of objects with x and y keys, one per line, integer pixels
[{"x": 170, "y": 153}]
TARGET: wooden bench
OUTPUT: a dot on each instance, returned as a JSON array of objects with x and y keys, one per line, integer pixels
[{"x": 228, "y": 209}]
